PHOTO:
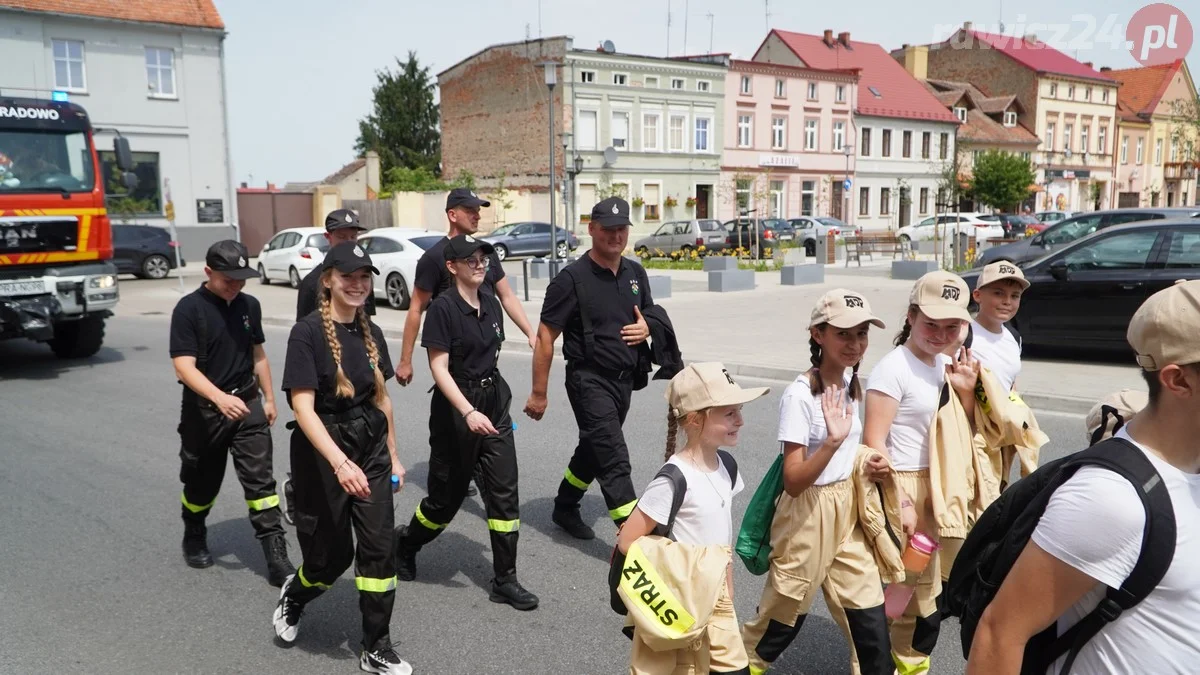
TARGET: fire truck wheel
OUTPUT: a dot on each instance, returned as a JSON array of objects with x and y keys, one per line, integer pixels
[{"x": 78, "y": 339}]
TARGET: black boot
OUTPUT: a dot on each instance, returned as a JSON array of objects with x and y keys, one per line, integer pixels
[
  {"x": 279, "y": 567},
  {"x": 195, "y": 545},
  {"x": 511, "y": 591},
  {"x": 406, "y": 556},
  {"x": 569, "y": 520}
]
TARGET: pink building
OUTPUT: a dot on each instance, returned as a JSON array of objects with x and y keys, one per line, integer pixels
[{"x": 787, "y": 130}]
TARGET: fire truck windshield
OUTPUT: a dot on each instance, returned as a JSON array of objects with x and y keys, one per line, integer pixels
[{"x": 45, "y": 161}]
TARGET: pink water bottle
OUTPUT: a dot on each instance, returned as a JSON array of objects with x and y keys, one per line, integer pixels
[{"x": 916, "y": 558}]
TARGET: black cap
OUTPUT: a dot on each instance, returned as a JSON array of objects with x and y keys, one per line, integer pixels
[
  {"x": 230, "y": 258},
  {"x": 463, "y": 245},
  {"x": 347, "y": 257},
  {"x": 341, "y": 219},
  {"x": 612, "y": 212},
  {"x": 464, "y": 197}
]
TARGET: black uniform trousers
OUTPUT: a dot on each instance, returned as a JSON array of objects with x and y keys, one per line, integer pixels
[
  {"x": 326, "y": 514},
  {"x": 208, "y": 439},
  {"x": 455, "y": 454},
  {"x": 600, "y": 400}
]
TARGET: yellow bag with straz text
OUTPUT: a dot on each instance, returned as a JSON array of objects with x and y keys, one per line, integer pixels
[{"x": 671, "y": 589}]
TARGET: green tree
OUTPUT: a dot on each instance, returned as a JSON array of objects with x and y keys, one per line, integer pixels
[
  {"x": 404, "y": 179},
  {"x": 1001, "y": 180},
  {"x": 403, "y": 127},
  {"x": 120, "y": 202}
]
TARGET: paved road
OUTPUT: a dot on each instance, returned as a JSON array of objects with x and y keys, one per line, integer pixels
[{"x": 93, "y": 580}]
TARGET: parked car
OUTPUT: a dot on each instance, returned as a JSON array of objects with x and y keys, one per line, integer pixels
[
  {"x": 1054, "y": 216},
  {"x": 1067, "y": 231},
  {"x": 1084, "y": 293},
  {"x": 808, "y": 229},
  {"x": 683, "y": 235},
  {"x": 944, "y": 226},
  {"x": 292, "y": 254},
  {"x": 530, "y": 238},
  {"x": 395, "y": 251},
  {"x": 145, "y": 251},
  {"x": 748, "y": 232},
  {"x": 1014, "y": 224}
]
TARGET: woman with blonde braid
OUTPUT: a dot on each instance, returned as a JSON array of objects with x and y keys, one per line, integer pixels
[{"x": 344, "y": 462}]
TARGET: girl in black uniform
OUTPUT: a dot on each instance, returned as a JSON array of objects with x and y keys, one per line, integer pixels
[
  {"x": 344, "y": 462},
  {"x": 469, "y": 422}
]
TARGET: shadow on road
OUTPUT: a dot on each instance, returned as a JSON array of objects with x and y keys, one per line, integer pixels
[
  {"x": 27, "y": 360},
  {"x": 536, "y": 514},
  {"x": 819, "y": 648},
  {"x": 236, "y": 537}
]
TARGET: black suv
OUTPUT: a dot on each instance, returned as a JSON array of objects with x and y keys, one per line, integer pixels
[{"x": 144, "y": 251}]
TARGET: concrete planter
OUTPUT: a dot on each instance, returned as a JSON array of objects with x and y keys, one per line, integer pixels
[
  {"x": 790, "y": 256},
  {"x": 543, "y": 268},
  {"x": 660, "y": 286},
  {"x": 725, "y": 281},
  {"x": 720, "y": 263},
  {"x": 797, "y": 275},
  {"x": 912, "y": 269}
]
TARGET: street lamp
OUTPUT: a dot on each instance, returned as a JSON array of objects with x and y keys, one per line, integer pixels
[
  {"x": 573, "y": 169},
  {"x": 551, "y": 80},
  {"x": 847, "y": 150}
]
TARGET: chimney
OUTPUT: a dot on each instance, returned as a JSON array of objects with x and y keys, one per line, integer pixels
[
  {"x": 915, "y": 60},
  {"x": 968, "y": 26},
  {"x": 1089, "y": 65},
  {"x": 844, "y": 38},
  {"x": 904, "y": 46},
  {"x": 1031, "y": 37},
  {"x": 828, "y": 38},
  {"x": 1106, "y": 69},
  {"x": 244, "y": 185}
]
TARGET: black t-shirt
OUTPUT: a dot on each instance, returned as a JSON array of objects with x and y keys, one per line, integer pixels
[
  {"x": 480, "y": 334},
  {"x": 309, "y": 363},
  {"x": 432, "y": 275},
  {"x": 610, "y": 298},
  {"x": 306, "y": 296},
  {"x": 231, "y": 330}
]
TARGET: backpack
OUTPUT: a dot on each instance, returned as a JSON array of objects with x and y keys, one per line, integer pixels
[
  {"x": 678, "y": 488},
  {"x": 1000, "y": 535}
]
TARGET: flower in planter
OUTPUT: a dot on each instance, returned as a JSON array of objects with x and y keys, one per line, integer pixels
[
  {"x": 691, "y": 202},
  {"x": 638, "y": 201},
  {"x": 670, "y": 201}
]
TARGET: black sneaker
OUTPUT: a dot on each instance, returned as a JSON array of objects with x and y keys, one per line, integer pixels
[
  {"x": 279, "y": 567},
  {"x": 569, "y": 520},
  {"x": 384, "y": 660},
  {"x": 512, "y": 592},
  {"x": 406, "y": 558},
  {"x": 286, "y": 618},
  {"x": 195, "y": 545}
]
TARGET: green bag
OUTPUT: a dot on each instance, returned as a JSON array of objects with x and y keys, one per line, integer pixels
[{"x": 754, "y": 539}]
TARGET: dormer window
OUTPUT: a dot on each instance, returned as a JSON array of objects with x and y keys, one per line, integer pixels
[
  {"x": 961, "y": 113},
  {"x": 1010, "y": 119}
]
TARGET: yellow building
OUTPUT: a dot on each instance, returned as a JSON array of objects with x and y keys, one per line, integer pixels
[{"x": 1163, "y": 153}]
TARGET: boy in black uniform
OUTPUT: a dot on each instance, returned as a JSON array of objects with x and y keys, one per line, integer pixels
[
  {"x": 340, "y": 226},
  {"x": 216, "y": 348},
  {"x": 469, "y": 424},
  {"x": 596, "y": 304}
]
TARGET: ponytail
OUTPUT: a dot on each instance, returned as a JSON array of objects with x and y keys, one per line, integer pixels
[
  {"x": 364, "y": 324},
  {"x": 672, "y": 434},
  {"x": 344, "y": 387},
  {"x": 816, "y": 384},
  {"x": 905, "y": 332},
  {"x": 855, "y": 385}
]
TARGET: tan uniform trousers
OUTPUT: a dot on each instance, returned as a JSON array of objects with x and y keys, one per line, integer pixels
[
  {"x": 816, "y": 542},
  {"x": 725, "y": 653},
  {"x": 915, "y": 633}
]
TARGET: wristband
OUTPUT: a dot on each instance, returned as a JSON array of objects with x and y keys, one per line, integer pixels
[
  {"x": 468, "y": 413},
  {"x": 341, "y": 466}
]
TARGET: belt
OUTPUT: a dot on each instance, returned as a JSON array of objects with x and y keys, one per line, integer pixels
[
  {"x": 607, "y": 372},
  {"x": 485, "y": 383},
  {"x": 357, "y": 412},
  {"x": 247, "y": 392}
]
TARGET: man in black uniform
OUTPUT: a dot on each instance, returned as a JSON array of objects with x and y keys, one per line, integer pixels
[
  {"x": 340, "y": 226},
  {"x": 596, "y": 304},
  {"x": 216, "y": 348}
]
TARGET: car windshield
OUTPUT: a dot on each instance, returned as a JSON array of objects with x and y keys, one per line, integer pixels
[
  {"x": 318, "y": 241},
  {"x": 45, "y": 161},
  {"x": 1070, "y": 230},
  {"x": 425, "y": 242},
  {"x": 502, "y": 230},
  {"x": 831, "y": 222},
  {"x": 776, "y": 224}
]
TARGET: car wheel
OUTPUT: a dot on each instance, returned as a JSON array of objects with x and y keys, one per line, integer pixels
[
  {"x": 501, "y": 252},
  {"x": 685, "y": 249},
  {"x": 810, "y": 248},
  {"x": 904, "y": 238},
  {"x": 156, "y": 267},
  {"x": 397, "y": 292},
  {"x": 294, "y": 277},
  {"x": 561, "y": 250},
  {"x": 262, "y": 275}
]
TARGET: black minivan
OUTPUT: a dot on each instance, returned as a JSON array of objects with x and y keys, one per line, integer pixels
[{"x": 144, "y": 251}]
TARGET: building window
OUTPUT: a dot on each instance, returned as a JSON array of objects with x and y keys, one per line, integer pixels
[
  {"x": 1174, "y": 150},
  {"x": 1102, "y": 140},
  {"x": 702, "y": 124},
  {"x": 1070, "y": 92},
  {"x": 812, "y": 91},
  {"x": 887, "y": 143},
  {"x": 1027, "y": 156},
  {"x": 1085, "y": 134},
  {"x": 778, "y": 133},
  {"x": 1125, "y": 149},
  {"x": 943, "y": 146},
  {"x": 703, "y": 85},
  {"x": 678, "y": 136},
  {"x": 620, "y": 79},
  {"x": 745, "y": 123},
  {"x": 69, "y": 73},
  {"x": 587, "y": 76},
  {"x": 840, "y": 93},
  {"x": 160, "y": 71},
  {"x": 650, "y": 131},
  {"x": 780, "y": 92},
  {"x": 924, "y": 204},
  {"x": 146, "y": 198},
  {"x": 1158, "y": 151},
  {"x": 1050, "y": 137},
  {"x": 885, "y": 199},
  {"x": 651, "y": 82},
  {"x": 1068, "y": 137},
  {"x": 777, "y": 206},
  {"x": 961, "y": 113},
  {"x": 745, "y": 84},
  {"x": 926, "y": 143},
  {"x": 741, "y": 190},
  {"x": 864, "y": 201},
  {"x": 865, "y": 142},
  {"x": 1087, "y": 94},
  {"x": 1010, "y": 119},
  {"x": 678, "y": 83},
  {"x": 975, "y": 155},
  {"x": 906, "y": 144},
  {"x": 620, "y": 130},
  {"x": 808, "y": 197},
  {"x": 1053, "y": 90},
  {"x": 810, "y": 134},
  {"x": 586, "y": 130},
  {"x": 839, "y": 136},
  {"x": 650, "y": 199},
  {"x": 1141, "y": 151},
  {"x": 1104, "y": 95}
]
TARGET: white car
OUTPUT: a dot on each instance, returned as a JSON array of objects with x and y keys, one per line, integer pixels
[
  {"x": 292, "y": 254},
  {"x": 395, "y": 251},
  {"x": 946, "y": 225}
]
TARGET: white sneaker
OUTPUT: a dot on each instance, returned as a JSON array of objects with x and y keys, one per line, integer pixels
[
  {"x": 287, "y": 614},
  {"x": 384, "y": 661}
]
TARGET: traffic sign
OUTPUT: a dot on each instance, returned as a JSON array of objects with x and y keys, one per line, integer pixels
[{"x": 846, "y": 184}]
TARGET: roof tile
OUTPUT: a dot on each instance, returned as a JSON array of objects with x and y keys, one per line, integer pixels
[
  {"x": 1037, "y": 55},
  {"x": 1142, "y": 88},
  {"x": 196, "y": 13}
]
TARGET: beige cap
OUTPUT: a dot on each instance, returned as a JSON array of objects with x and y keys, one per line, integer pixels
[
  {"x": 1113, "y": 412},
  {"x": 842, "y": 308},
  {"x": 707, "y": 385},
  {"x": 941, "y": 295},
  {"x": 999, "y": 270},
  {"x": 1164, "y": 330}
]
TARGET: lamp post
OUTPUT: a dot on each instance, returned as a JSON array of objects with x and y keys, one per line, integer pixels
[
  {"x": 847, "y": 150},
  {"x": 573, "y": 169},
  {"x": 551, "y": 80}
]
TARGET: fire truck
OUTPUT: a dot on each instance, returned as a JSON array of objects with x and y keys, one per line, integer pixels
[{"x": 57, "y": 280}]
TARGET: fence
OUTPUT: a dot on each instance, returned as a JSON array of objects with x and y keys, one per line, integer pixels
[
  {"x": 262, "y": 214},
  {"x": 372, "y": 213}
]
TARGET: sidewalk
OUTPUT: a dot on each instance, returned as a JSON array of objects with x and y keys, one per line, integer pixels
[{"x": 761, "y": 333}]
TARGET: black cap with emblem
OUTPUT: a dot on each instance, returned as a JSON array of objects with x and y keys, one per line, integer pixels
[
  {"x": 466, "y": 198},
  {"x": 230, "y": 258},
  {"x": 341, "y": 219},
  {"x": 463, "y": 245},
  {"x": 348, "y": 257},
  {"x": 612, "y": 212}
]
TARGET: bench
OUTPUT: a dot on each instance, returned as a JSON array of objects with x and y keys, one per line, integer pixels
[{"x": 871, "y": 243}]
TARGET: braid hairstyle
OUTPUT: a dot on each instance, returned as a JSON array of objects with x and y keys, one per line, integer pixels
[
  {"x": 364, "y": 324},
  {"x": 816, "y": 384},
  {"x": 344, "y": 388},
  {"x": 672, "y": 434},
  {"x": 905, "y": 332},
  {"x": 855, "y": 386}
]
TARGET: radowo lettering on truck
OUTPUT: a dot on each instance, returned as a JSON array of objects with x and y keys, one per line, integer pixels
[{"x": 29, "y": 113}]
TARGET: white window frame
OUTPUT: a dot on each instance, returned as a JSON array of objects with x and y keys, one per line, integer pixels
[
  {"x": 68, "y": 60},
  {"x": 839, "y": 135},
  {"x": 1158, "y": 151},
  {"x": 961, "y": 113},
  {"x": 1053, "y": 90},
  {"x": 683, "y": 132},
  {"x": 1068, "y": 136},
  {"x": 1141, "y": 151},
  {"x": 1051, "y": 138},
  {"x": 813, "y": 91},
  {"x": 1070, "y": 92},
  {"x": 623, "y": 83},
  {"x": 1085, "y": 137},
  {"x": 625, "y": 142},
  {"x": 704, "y": 86},
  {"x": 159, "y": 69},
  {"x": 778, "y": 198},
  {"x": 1125, "y": 149},
  {"x": 780, "y": 88},
  {"x": 583, "y": 74},
  {"x": 746, "y": 85},
  {"x": 661, "y": 198},
  {"x": 682, "y": 82},
  {"x": 646, "y": 82},
  {"x": 840, "y": 94},
  {"x": 1102, "y": 140},
  {"x": 652, "y": 142},
  {"x": 745, "y": 123},
  {"x": 595, "y": 139},
  {"x": 1010, "y": 119},
  {"x": 1104, "y": 96},
  {"x": 779, "y": 133},
  {"x": 864, "y": 135},
  {"x": 708, "y": 129},
  {"x": 943, "y": 145},
  {"x": 812, "y": 134}
]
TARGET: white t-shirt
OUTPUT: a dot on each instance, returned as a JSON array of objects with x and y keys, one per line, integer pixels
[
  {"x": 1094, "y": 523},
  {"x": 701, "y": 520},
  {"x": 998, "y": 352},
  {"x": 802, "y": 421},
  {"x": 918, "y": 388}
]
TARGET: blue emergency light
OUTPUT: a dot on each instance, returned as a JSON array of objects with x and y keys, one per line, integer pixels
[{"x": 58, "y": 96}]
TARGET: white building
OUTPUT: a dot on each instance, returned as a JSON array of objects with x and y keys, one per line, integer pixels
[{"x": 154, "y": 71}]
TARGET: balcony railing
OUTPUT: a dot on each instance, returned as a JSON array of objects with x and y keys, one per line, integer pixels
[{"x": 1180, "y": 170}]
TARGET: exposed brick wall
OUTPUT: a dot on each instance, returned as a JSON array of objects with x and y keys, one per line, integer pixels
[
  {"x": 494, "y": 109},
  {"x": 991, "y": 71}
]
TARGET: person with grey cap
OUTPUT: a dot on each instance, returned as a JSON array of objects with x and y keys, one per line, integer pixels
[
  {"x": 596, "y": 304},
  {"x": 216, "y": 346},
  {"x": 341, "y": 225}
]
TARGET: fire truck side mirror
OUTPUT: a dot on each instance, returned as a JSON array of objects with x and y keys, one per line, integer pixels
[
  {"x": 130, "y": 179},
  {"x": 124, "y": 155}
]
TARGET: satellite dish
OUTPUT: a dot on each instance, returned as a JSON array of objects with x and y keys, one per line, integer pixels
[
  {"x": 610, "y": 156},
  {"x": 610, "y": 47}
]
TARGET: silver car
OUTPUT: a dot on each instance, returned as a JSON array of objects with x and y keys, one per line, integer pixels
[{"x": 683, "y": 235}]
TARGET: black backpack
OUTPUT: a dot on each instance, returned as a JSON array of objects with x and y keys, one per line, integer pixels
[
  {"x": 997, "y": 540},
  {"x": 679, "y": 488}
]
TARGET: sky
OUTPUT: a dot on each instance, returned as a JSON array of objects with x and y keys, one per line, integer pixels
[{"x": 300, "y": 72}]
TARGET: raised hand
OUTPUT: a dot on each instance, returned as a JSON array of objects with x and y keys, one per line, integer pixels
[{"x": 839, "y": 414}]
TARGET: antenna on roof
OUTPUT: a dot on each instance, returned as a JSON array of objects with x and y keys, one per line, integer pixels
[
  {"x": 767, "y": 14},
  {"x": 710, "y": 32},
  {"x": 539, "y": 19},
  {"x": 685, "y": 18},
  {"x": 668, "y": 28}
]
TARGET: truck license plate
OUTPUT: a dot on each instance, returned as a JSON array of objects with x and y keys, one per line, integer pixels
[{"x": 12, "y": 288}]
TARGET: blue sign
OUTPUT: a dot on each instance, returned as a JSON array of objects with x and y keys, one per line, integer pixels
[
  {"x": 58, "y": 96},
  {"x": 846, "y": 184}
]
